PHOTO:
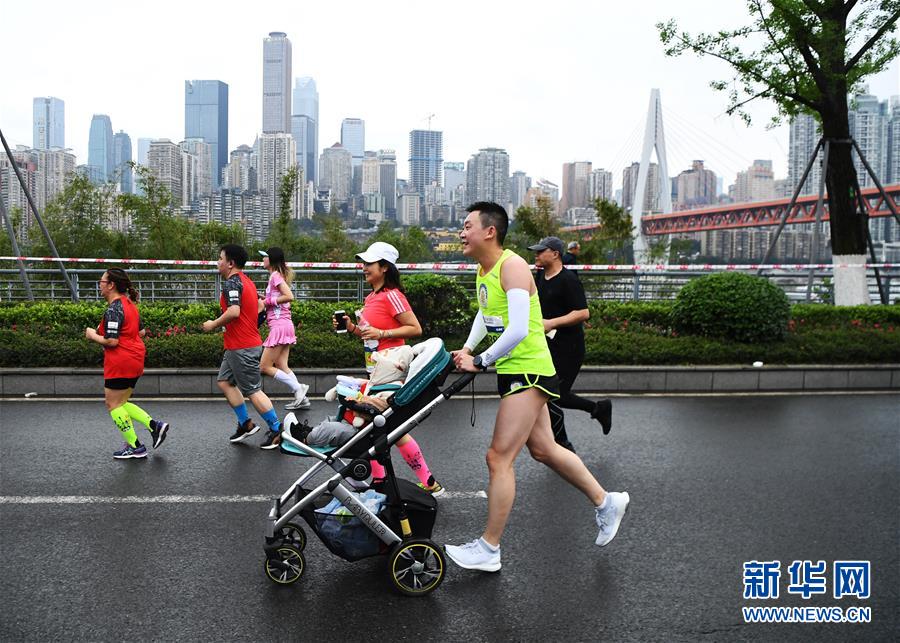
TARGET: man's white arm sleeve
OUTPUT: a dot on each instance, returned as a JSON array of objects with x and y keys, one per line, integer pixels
[
  {"x": 479, "y": 330},
  {"x": 518, "y": 303}
]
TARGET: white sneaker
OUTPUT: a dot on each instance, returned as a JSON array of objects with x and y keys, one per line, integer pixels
[
  {"x": 474, "y": 555},
  {"x": 609, "y": 518},
  {"x": 301, "y": 402}
]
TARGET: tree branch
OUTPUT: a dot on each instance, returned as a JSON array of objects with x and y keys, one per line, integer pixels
[
  {"x": 762, "y": 18},
  {"x": 888, "y": 24}
]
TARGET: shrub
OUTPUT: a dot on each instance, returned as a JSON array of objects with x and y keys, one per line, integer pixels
[
  {"x": 734, "y": 306},
  {"x": 442, "y": 305}
]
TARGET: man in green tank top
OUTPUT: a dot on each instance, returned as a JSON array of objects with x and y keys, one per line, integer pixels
[{"x": 509, "y": 313}]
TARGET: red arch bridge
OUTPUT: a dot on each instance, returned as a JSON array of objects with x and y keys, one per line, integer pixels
[{"x": 753, "y": 215}]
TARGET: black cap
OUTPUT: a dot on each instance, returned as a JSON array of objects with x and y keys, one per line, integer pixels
[
  {"x": 548, "y": 243},
  {"x": 275, "y": 254}
]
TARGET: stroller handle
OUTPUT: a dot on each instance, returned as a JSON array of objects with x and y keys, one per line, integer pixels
[{"x": 458, "y": 385}]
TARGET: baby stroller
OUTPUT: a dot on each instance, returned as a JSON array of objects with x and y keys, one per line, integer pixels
[{"x": 393, "y": 518}]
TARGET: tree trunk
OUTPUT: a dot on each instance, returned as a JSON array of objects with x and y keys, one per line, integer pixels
[{"x": 848, "y": 232}]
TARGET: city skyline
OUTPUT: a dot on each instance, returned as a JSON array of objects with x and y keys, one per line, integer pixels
[{"x": 521, "y": 110}]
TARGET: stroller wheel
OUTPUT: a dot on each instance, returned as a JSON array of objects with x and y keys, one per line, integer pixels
[
  {"x": 416, "y": 567},
  {"x": 294, "y": 535},
  {"x": 286, "y": 565}
]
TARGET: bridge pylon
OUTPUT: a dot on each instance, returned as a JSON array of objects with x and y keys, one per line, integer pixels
[{"x": 654, "y": 139}]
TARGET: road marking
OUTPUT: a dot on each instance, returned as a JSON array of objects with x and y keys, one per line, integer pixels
[{"x": 176, "y": 500}]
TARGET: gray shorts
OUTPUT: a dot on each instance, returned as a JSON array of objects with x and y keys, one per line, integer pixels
[{"x": 240, "y": 367}]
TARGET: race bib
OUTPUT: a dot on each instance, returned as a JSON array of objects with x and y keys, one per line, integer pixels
[{"x": 494, "y": 324}]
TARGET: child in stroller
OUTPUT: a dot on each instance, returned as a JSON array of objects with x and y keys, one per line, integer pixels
[{"x": 400, "y": 523}]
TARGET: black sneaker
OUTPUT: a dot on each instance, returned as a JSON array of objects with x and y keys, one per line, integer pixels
[
  {"x": 159, "y": 433},
  {"x": 301, "y": 431},
  {"x": 603, "y": 414},
  {"x": 244, "y": 431},
  {"x": 273, "y": 439}
]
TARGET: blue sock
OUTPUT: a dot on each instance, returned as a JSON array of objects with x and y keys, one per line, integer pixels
[
  {"x": 272, "y": 420},
  {"x": 241, "y": 413}
]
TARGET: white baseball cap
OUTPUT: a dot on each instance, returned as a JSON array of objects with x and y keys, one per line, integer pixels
[{"x": 377, "y": 251}]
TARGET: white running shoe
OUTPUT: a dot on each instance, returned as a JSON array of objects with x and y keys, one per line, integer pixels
[
  {"x": 610, "y": 517},
  {"x": 301, "y": 402},
  {"x": 474, "y": 555}
]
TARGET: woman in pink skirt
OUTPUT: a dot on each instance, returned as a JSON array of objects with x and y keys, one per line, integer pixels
[{"x": 277, "y": 302}]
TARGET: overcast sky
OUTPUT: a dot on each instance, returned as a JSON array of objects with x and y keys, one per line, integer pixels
[{"x": 551, "y": 82}]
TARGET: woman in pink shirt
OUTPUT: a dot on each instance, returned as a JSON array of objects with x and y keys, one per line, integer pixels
[
  {"x": 277, "y": 302},
  {"x": 385, "y": 321}
]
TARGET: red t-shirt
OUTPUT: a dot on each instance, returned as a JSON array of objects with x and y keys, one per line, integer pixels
[
  {"x": 242, "y": 332},
  {"x": 381, "y": 309},
  {"x": 122, "y": 321}
]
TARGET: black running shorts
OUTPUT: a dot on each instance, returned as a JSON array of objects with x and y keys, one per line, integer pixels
[
  {"x": 510, "y": 384},
  {"x": 120, "y": 383}
]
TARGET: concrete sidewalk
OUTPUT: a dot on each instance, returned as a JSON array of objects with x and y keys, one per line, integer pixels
[{"x": 181, "y": 382}]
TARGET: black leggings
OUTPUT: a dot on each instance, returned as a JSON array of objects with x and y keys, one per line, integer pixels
[{"x": 567, "y": 361}]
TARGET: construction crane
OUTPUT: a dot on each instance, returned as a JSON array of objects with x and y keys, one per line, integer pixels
[{"x": 428, "y": 119}]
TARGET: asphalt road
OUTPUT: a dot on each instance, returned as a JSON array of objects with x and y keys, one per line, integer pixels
[{"x": 714, "y": 482}]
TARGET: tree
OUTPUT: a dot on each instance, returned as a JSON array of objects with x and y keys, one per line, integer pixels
[
  {"x": 611, "y": 241},
  {"x": 531, "y": 225},
  {"x": 337, "y": 245},
  {"x": 283, "y": 233},
  {"x": 77, "y": 220},
  {"x": 806, "y": 56},
  {"x": 412, "y": 243}
]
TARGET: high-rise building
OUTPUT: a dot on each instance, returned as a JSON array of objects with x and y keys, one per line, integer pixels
[
  {"x": 166, "y": 164},
  {"x": 206, "y": 117},
  {"x": 869, "y": 121},
  {"x": 454, "y": 177},
  {"x": 487, "y": 176},
  {"x": 600, "y": 185},
  {"x": 804, "y": 136},
  {"x": 426, "y": 159},
  {"x": 277, "y": 153},
  {"x": 122, "y": 162},
  {"x": 574, "y": 186},
  {"x": 336, "y": 172},
  {"x": 387, "y": 177},
  {"x": 695, "y": 187},
  {"x": 306, "y": 103},
  {"x": 45, "y": 172},
  {"x": 276, "y": 83},
  {"x": 197, "y": 165},
  {"x": 303, "y": 129},
  {"x": 49, "y": 123},
  {"x": 371, "y": 174},
  {"x": 353, "y": 138},
  {"x": 519, "y": 184},
  {"x": 143, "y": 150},
  {"x": 240, "y": 173},
  {"x": 409, "y": 206},
  {"x": 100, "y": 149},
  {"x": 629, "y": 186},
  {"x": 893, "y": 171},
  {"x": 756, "y": 183}
]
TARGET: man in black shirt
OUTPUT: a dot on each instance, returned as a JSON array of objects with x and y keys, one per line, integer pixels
[
  {"x": 564, "y": 309},
  {"x": 571, "y": 256}
]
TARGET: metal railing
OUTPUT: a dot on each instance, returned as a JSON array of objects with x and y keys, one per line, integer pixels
[{"x": 204, "y": 284}]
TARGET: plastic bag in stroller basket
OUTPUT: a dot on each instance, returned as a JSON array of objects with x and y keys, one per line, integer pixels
[{"x": 344, "y": 533}]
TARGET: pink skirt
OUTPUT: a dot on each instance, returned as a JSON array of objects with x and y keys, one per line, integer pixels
[{"x": 280, "y": 333}]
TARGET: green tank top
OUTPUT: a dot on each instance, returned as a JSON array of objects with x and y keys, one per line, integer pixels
[{"x": 531, "y": 355}]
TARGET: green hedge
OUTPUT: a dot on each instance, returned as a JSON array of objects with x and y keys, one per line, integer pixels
[{"x": 618, "y": 333}]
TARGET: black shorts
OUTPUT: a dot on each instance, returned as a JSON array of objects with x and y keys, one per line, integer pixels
[
  {"x": 121, "y": 383},
  {"x": 512, "y": 383}
]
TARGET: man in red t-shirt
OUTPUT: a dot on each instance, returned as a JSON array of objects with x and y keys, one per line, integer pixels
[{"x": 239, "y": 374}]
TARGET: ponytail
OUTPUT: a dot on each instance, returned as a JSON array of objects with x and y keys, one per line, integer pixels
[{"x": 119, "y": 278}]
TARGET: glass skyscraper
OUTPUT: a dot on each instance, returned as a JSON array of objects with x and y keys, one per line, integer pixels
[
  {"x": 100, "y": 149},
  {"x": 277, "y": 83},
  {"x": 206, "y": 117},
  {"x": 49, "y": 123},
  {"x": 426, "y": 158},
  {"x": 121, "y": 159},
  {"x": 306, "y": 103}
]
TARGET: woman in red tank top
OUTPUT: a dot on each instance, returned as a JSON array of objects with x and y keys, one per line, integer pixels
[{"x": 120, "y": 334}]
